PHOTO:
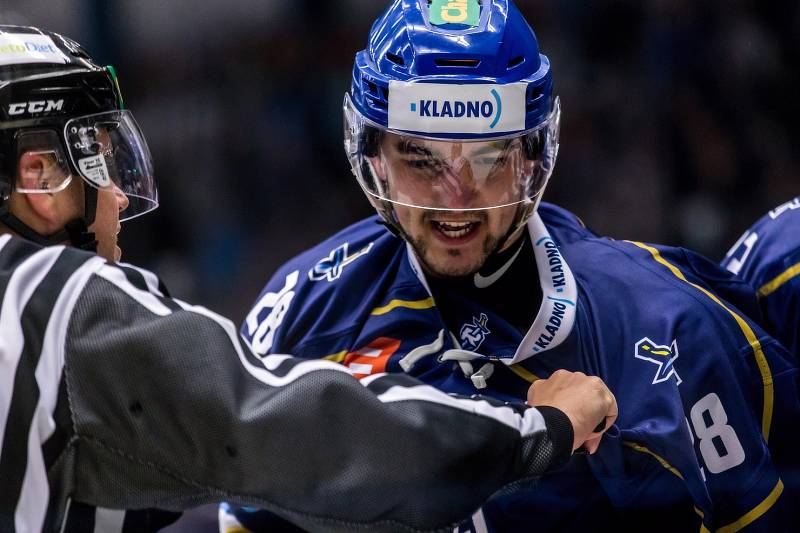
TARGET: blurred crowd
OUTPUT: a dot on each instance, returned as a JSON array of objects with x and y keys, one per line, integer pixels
[{"x": 678, "y": 121}]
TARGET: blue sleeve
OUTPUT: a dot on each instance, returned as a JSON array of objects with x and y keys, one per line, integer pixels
[
  {"x": 720, "y": 281},
  {"x": 767, "y": 257},
  {"x": 709, "y": 428},
  {"x": 780, "y": 303},
  {"x": 750, "y": 398}
]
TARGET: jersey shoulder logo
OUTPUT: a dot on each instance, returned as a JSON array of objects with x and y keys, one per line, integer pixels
[
  {"x": 472, "y": 335},
  {"x": 330, "y": 268},
  {"x": 662, "y": 356}
]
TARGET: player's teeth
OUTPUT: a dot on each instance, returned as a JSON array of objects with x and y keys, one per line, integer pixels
[
  {"x": 455, "y": 230},
  {"x": 453, "y": 226}
]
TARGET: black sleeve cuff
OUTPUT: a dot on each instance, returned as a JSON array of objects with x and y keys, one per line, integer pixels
[{"x": 559, "y": 428}]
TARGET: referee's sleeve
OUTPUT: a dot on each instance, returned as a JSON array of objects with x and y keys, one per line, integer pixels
[{"x": 170, "y": 410}]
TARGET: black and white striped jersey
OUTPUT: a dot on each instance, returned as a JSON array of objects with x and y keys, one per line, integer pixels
[{"x": 114, "y": 395}]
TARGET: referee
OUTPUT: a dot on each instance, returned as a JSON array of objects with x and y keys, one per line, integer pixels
[{"x": 113, "y": 394}]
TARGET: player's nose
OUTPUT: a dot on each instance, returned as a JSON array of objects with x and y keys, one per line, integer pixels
[{"x": 459, "y": 184}]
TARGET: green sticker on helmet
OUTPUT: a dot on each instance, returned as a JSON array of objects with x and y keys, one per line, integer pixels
[
  {"x": 465, "y": 12},
  {"x": 111, "y": 70}
]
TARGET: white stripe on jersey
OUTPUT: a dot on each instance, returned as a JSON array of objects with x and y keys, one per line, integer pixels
[
  {"x": 151, "y": 303},
  {"x": 108, "y": 520},
  {"x": 149, "y": 278},
  {"x": 529, "y": 423},
  {"x": 262, "y": 374},
  {"x": 478, "y": 523},
  {"x": 28, "y": 516},
  {"x": 49, "y": 369},
  {"x": 24, "y": 280},
  {"x": 148, "y": 300},
  {"x": 35, "y": 489}
]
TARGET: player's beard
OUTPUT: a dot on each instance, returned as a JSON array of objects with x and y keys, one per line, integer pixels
[{"x": 490, "y": 245}]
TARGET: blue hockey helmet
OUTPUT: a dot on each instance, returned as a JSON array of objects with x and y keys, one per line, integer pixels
[{"x": 452, "y": 107}]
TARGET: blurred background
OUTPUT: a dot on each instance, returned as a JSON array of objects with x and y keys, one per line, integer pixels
[
  {"x": 678, "y": 126},
  {"x": 679, "y": 122}
]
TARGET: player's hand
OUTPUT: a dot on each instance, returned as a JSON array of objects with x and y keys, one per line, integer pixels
[{"x": 586, "y": 401}]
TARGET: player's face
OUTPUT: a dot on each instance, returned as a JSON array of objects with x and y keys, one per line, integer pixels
[
  {"x": 460, "y": 179},
  {"x": 454, "y": 243}
]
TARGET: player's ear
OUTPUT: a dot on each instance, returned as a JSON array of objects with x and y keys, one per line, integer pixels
[
  {"x": 529, "y": 165},
  {"x": 374, "y": 154},
  {"x": 377, "y": 166}
]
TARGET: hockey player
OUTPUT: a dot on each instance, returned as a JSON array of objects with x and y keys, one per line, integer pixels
[
  {"x": 466, "y": 282},
  {"x": 767, "y": 256},
  {"x": 114, "y": 394}
]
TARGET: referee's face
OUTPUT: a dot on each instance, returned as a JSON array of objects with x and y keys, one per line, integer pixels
[
  {"x": 110, "y": 203},
  {"x": 48, "y": 212}
]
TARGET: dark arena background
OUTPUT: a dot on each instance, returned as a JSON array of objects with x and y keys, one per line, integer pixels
[{"x": 679, "y": 122}]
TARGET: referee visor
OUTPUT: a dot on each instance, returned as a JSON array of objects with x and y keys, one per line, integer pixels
[{"x": 108, "y": 150}]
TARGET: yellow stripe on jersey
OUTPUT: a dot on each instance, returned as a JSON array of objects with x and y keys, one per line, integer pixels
[
  {"x": 756, "y": 513},
  {"x": 775, "y": 284},
  {"x": 427, "y": 303},
  {"x": 664, "y": 463},
  {"x": 761, "y": 360},
  {"x": 336, "y": 357},
  {"x": 523, "y": 373},
  {"x": 703, "y": 528}
]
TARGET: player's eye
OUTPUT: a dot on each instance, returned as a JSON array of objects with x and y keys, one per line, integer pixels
[{"x": 428, "y": 166}]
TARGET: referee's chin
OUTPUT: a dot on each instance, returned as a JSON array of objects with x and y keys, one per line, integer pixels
[{"x": 107, "y": 246}]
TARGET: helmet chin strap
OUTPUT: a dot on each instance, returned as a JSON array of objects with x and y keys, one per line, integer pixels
[{"x": 76, "y": 232}]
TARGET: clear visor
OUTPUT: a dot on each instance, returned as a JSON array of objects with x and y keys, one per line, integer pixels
[
  {"x": 42, "y": 166},
  {"x": 446, "y": 174},
  {"x": 110, "y": 153}
]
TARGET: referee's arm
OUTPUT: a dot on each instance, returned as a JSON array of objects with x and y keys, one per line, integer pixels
[
  {"x": 170, "y": 410},
  {"x": 115, "y": 395}
]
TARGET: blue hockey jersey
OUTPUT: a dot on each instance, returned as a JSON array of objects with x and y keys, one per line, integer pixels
[
  {"x": 700, "y": 388},
  {"x": 767, "y": 256}
]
